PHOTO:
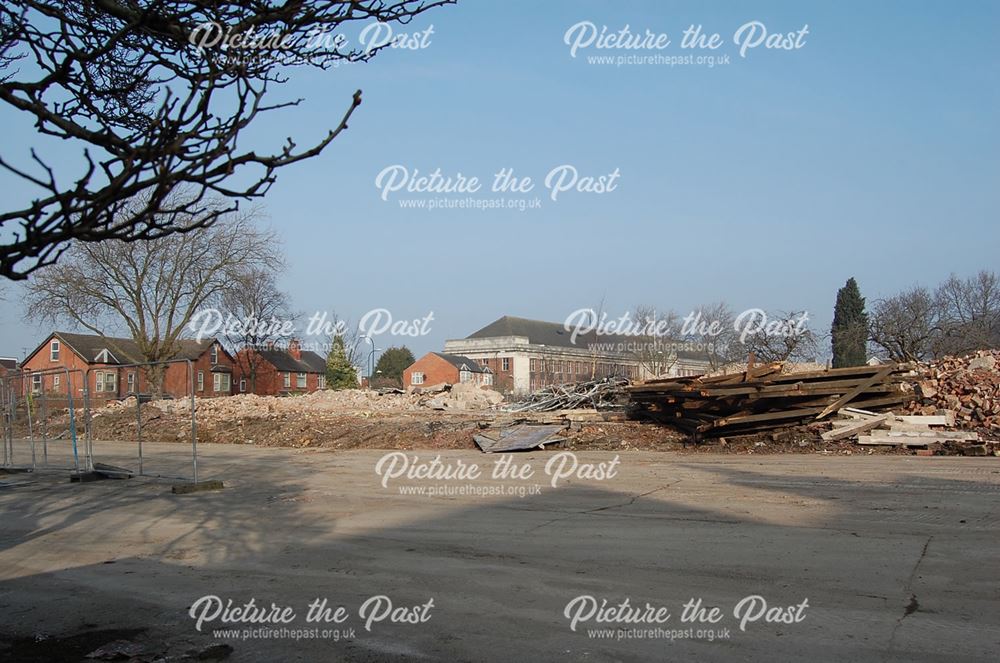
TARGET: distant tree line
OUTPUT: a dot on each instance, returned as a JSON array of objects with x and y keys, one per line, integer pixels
[{"x": 957, "y": 317}]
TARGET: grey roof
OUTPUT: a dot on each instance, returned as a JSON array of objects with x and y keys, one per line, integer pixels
[
  {"x": 124, "y": 350},
  {"x": 458, "y": 362},
  {"x": 554, "y": 334},
  {"x": 537, "y": 331},
  {"x": 9, "y": 363},
  {"x": 283, "y": 361}
]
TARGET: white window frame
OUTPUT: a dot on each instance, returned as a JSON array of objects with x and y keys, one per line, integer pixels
[
  {"x": 106, "y": 382},
  {"x": 488, "y": 379},
  {"x": 288, "y": 380},
  {"x": 321, "y": 381},
  {"x": 56, "y": 381},
  {"x": 54, "y": 349},
  {"x": 417, "y": 377},
  {"x": 130, "y": 381},
  {"x": 221, "y": 383},
  {"x": 465, "y": 375},
  {"x": 505, "y": 363},
  {"x": 301, "y": 381},
  {"x": 201, "y": 381},
  {"x": 36, "y": 384},
  {"x": 243, "y": 385}
]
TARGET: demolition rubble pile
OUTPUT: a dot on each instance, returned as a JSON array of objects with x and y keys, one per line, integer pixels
[
  {"x": 969, "y": 386},
  {"x": 604, "y": 394},
  {"x": 442, "y": 397},
  {"x": 765, "y": 397}
]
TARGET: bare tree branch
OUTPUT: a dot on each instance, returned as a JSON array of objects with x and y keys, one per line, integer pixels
[{"x": 157, "y": 102}]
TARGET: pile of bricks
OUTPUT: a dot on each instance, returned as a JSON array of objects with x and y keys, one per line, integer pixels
[{"x": 970, "y": 386}]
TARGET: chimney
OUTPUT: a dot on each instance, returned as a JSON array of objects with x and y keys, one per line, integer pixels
[{"x": 295, "y": 349}]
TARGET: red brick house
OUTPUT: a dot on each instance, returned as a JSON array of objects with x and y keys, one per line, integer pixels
[
  {"x": 437, "y": 367},
  {"x": 8, "y": 365},
  {"x": 112, "y": 376},
  {"x": 276, "y": 371}
]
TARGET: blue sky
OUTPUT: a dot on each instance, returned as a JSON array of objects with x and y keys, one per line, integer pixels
[{"x": 871, "y": 151}]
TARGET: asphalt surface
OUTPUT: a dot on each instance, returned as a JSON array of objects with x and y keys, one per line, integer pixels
[{"x": 849, "y": 558}]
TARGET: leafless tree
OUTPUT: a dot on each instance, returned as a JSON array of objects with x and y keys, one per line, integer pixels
[
  {"x": 792, "y": 342},
  {"x": 906, "y": 326},
  {"x": 969, "y": 311},
  {"x": 262, "y": 307},
  {"x": 714, "y": 324},
  {"x": 152, "y": 289},
  {"x": 655, "y": 349},
  {"x": 158, "y": 94}
]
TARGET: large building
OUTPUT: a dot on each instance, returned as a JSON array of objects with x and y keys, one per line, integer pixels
[{"x": 524, "y": 355}]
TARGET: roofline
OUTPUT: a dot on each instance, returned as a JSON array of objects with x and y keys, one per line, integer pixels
[{"x": 79, "y": 354}]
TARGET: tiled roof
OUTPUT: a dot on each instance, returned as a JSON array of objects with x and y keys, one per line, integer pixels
[{"x": 458, "y": 362}]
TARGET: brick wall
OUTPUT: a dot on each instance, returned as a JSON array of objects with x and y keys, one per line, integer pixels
[
  {"x": 435, "y": 370},
  {"x": 175, "y": 381},
  {"x": 269, "y": 380}
]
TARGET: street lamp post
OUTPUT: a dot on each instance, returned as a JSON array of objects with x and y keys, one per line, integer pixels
[{"x": 371, "y": 360}]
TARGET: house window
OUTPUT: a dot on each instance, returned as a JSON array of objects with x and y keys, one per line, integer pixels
[
  {"x": 56, "y": 380},
  {"x": 201, "y": 380},
  {"x": 300, "y": 381},
  {"x": 105, "y": 381},
  {"x": 288, "y": 380},
  {"x": 221, "y": 382},
  {"x": 505, "y": 362},
  {"x": 214, "y": 355},
  {"x": 488, "y": 379},
  {"x": 243, "y": 384},
  {"x": 36, "y": 384},
  {"x": 416, "y": 377},
  {"x": 131, "y": 382},
  {"x": 465, "y": 375},
  {"x": 54, "y": 351},
  {"x": 321, "y": 382}
]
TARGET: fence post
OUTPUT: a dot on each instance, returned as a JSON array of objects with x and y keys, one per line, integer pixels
[
  {"x": 138, "y": 427},
  {"x": 194, "y": 425}
]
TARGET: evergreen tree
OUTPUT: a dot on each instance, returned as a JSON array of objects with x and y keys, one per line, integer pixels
[
  {"x": 849, "y": 332},
  {"x": 390, "y": 367},
  {"x": 340, "y": 374}
]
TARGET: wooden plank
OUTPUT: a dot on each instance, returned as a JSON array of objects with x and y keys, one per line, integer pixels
[
  {"x": 854, "y": 393},
  {"x": 868, "y": 440},
  {"x": 854, "y": 428},
  {"x": 929, "y": 420},
  {"x": 937, "y": 434},
  {"x": 855, "y": 413}
]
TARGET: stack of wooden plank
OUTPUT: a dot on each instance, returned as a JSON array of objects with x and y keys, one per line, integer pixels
[
  {"x": 888, "y": 429},
  {"x": 763, "y": 397}
]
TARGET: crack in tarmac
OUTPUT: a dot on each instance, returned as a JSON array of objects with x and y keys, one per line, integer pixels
[
  {"x": 913, "y": 605},
  {"x": 630, "y": 502}
]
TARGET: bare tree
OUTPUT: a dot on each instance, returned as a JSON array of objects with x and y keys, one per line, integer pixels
[
  {"x": 714, "y": 324},
  {"x": 158, "y": 95},
  {"x": 788, "y": 340},
  {"x": 906, "y": 326},
  {"x": 262, "y": 308},
  {"x": 149, "y": 289},
  {"x": 655, "y": 349},
  {"x": 969, "y": 311}
]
